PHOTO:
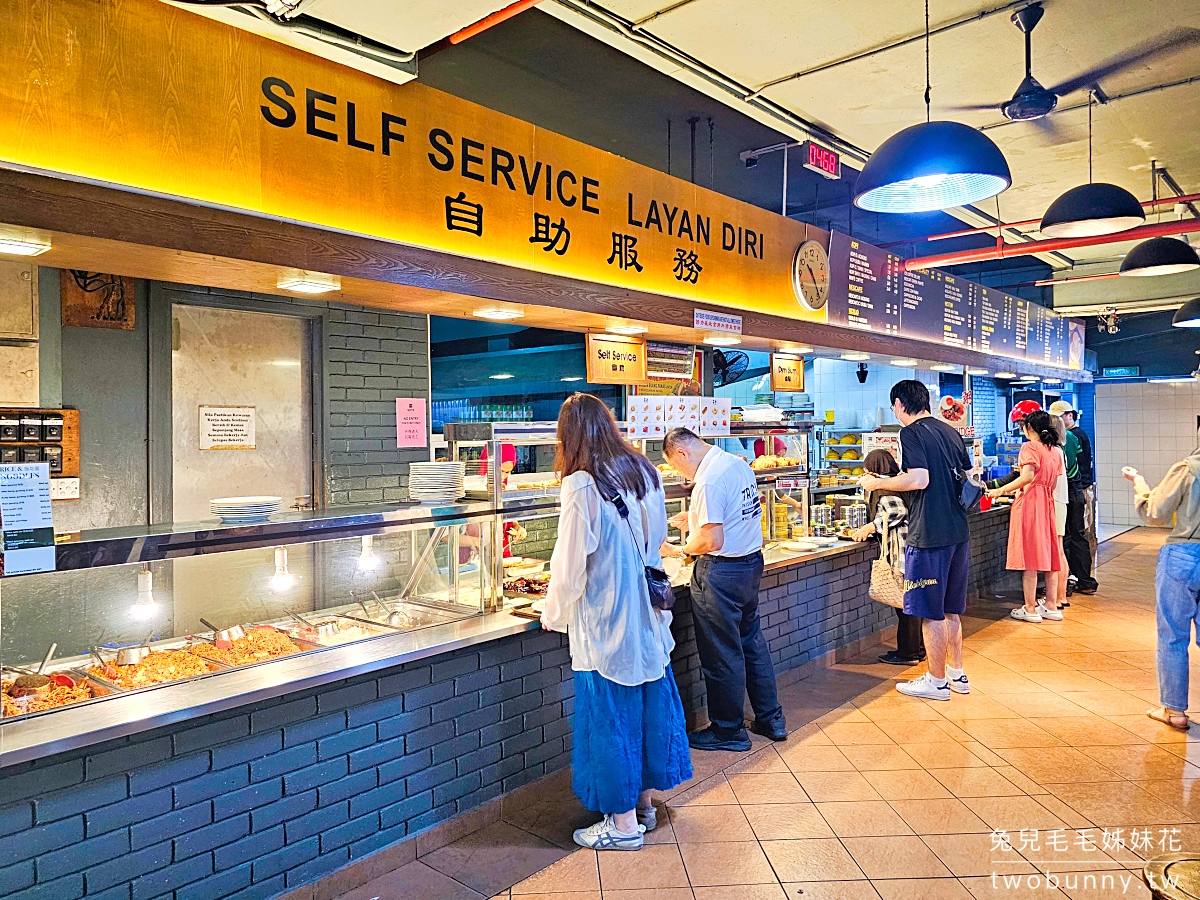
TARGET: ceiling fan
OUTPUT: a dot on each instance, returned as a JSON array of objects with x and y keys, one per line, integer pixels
[{"x": 1032, "y": 101}]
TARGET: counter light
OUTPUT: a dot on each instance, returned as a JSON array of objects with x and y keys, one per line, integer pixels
[
  {"x": 1028, "y": 379},
  {"x": 943, "y": 367},
  {"x": 309, "y": 282},
  {"x": 499, "y": 313},
  {"x": 627, "y": 329},
  {"x": 11, "y": 246},
  {"x": 572, "y": 378},
  {"x": 367, "y": 560},
  {"x": 904, "y": 363},
  {"x": 856, "y": 357},
  {"x": 1006, "y": 374},
  {"x": 282, "y": 580},
  {"x": 722, "y": 340},
  {"x": 794, "y": 348},
  {"x": 144, "y": 607},
  {"x": 973, "y": 370},
  {"x": 286, "y": 363},
  {"x": 1051, "y": 381},
  {"x": 501, "y": 376}
]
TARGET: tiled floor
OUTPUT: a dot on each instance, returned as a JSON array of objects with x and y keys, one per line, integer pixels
[{"x": 876, "y": 796}]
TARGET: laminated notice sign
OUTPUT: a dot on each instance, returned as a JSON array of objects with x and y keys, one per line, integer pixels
[
  {"x": 227, "y": 428},
  {"x": 411, "y": 430},
  {"x": 714, "y": 416},
  {"x": 26, "y": 520}
]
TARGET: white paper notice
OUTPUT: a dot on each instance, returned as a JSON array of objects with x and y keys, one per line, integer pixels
[
  {"x": 26, "y": 520},
  {"x": 646, "y": 416},
  {"x": 227, "y": 428},
  {"x": 714, "y": 416}
]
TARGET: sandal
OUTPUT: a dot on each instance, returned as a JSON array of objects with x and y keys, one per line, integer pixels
[{"x": 1177, "y": 720}]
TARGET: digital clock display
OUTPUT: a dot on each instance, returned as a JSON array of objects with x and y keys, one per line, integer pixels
[{"x": 821, "y": 160}]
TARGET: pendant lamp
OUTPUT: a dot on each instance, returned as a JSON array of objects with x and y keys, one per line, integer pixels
[
  {"x": 1092, "y": 208},
  {"x": 1188, "y": 315},
  {"x": 1160, "y": 256},
  {"x": 931, "y": 166}
]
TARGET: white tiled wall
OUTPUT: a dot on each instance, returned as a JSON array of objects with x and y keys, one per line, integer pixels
[
  {"x": 834, "y": 385},
  {"x": 1147, "y": 426}
]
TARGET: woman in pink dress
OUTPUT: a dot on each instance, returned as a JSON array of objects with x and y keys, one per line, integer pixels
[{"x": 1033, "y": 545}]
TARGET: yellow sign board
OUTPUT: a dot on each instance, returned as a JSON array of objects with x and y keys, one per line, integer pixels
[
  {"x": 787, "y": 372},
  {"x": 616, "y": 359},
  {"x": 142, "y": 94}
]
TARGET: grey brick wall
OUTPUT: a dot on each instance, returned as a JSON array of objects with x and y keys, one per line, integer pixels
[
  {"x": 541, "y": 535},
  {"x": 369, "y": 358},
  {"x": 251, "y": 803},
  {"x": 989, "y": 553}
]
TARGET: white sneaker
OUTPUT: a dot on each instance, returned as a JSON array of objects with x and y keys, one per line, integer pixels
[
  {"x": 648, "y": 818},
  {"x": 1052, "y": 615},
  {"x": 605, "y": 836},
  {"x": 957, "y": 680},
  {"x": 925, "y": 687},
  {"x": 1023, "y": 615}
]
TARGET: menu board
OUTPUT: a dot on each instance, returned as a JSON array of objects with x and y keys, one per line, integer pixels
[
  {"x": 870, "y": 291},
  {"x": 868, "y": 296}
]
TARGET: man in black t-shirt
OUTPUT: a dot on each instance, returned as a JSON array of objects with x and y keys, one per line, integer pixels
[{"x": 935, "y": 560}]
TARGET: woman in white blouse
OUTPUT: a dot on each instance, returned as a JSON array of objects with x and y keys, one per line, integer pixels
[{"x": 629, "y": 731}]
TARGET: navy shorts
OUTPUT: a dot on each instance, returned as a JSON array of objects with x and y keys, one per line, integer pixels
[{"x": 935, "y": 581}]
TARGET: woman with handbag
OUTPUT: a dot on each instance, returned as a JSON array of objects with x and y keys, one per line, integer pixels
[
  {"x": 889, "y": 523},
  {"x": 630, "y": 736},
  {"x": 1032, "y": 543}
]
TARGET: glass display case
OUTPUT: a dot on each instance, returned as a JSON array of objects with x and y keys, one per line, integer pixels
[{"x": 136, "y": 611}]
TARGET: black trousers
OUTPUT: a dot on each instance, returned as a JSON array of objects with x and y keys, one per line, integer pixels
[
  {"x": 1078, "y": 550},
  {"x": 910, "y": 643},
  {"x": 734, "y": 657}
]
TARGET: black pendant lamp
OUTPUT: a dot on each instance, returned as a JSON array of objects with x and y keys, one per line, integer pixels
[
  {"x": 931, "y": 166},
  {"x": 1092, "y": 208},
  {"x": 1160, "y": 256},
  {"x": 1188, "y": 315}
]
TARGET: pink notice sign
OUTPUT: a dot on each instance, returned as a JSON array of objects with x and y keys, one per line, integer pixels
[{"x": 411, "y": 430}]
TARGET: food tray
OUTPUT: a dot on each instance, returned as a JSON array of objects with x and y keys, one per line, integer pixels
[
  {"x": 425, "y": 615},
  {"x": 97, "y": 687},
  {"x": 304, "y": 646},
  {"x": 372, "y": 629},
  {"x": 211, "y": 665}
]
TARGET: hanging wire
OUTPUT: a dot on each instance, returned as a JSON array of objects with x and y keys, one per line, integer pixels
[
  {"x": 927, "y": 61},
  {"x": 1091, "y": 99}
]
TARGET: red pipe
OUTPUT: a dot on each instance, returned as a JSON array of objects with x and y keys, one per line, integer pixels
[
  {"x": 983, "y": 254},
  {"x": 500, "y": 15},
  {"x": 967, "y": 232}
]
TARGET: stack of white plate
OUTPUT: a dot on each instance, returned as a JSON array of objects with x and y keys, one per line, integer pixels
[
  {"x": 244, "y": 509},
  {"x": 436, "y": 482}
]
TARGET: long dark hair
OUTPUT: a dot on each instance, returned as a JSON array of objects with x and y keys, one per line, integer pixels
[
  {"x": 590, "y": 441},
  {"x": 882, "y": 463},
  {"x": 1039, "y": 423}
]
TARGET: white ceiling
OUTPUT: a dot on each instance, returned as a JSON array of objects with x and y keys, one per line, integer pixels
[
  {"x": 405, "y": 25},
  {"x": 865, "y": 101}
]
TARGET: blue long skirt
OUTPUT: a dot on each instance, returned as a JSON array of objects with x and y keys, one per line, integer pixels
[{"x": 627, "y": 740}]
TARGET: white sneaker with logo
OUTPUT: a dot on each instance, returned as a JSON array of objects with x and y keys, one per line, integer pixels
[
  {"x": 957, "y": 679},
  {"x": 605, "y": 836},
  {"x": 647, "y": 818},
  {"x": 925, "y": 687}
]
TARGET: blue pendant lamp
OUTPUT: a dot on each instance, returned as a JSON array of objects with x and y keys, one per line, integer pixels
[
  {"x": 1092, "y": 208},
  {"x": 934, "y": 165},
  {"x": 1188, "y": 315}
]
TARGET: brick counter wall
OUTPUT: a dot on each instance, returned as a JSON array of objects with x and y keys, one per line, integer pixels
[{"x": 254, "y": 802}]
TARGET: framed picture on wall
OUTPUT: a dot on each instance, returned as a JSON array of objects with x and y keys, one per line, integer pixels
[{"x": 97, "y": 300}]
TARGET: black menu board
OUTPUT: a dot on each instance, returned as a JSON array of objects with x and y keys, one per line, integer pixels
[
  {"x": 865, "y": 286},
  {"x": 923, "y": 313},
  {"x": 1039, "y": 324},
  {"x": 869, "y": 290}
]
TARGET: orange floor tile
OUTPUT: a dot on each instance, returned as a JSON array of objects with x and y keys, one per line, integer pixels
[{"x": 1046, "y": 781}]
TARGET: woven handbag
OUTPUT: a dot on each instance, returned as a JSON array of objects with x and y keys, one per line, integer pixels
[{"x": 887, "y": 581}]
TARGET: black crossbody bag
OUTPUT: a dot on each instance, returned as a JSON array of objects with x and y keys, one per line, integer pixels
[
  {"x": 662, "y": 595},
  {"x": 970, "y": 489}
]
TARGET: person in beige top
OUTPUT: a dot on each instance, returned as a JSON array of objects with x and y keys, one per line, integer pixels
[{"x": 1177, "y": 580}]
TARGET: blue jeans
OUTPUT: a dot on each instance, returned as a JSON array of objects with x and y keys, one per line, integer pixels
[{"x": 1177, "y": 586}]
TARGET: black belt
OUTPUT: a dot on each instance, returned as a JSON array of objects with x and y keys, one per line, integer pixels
[{"x": 733, "y": 559}]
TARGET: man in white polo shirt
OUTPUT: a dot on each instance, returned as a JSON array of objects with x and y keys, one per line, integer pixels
[{"x": 724, "y": 531}]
